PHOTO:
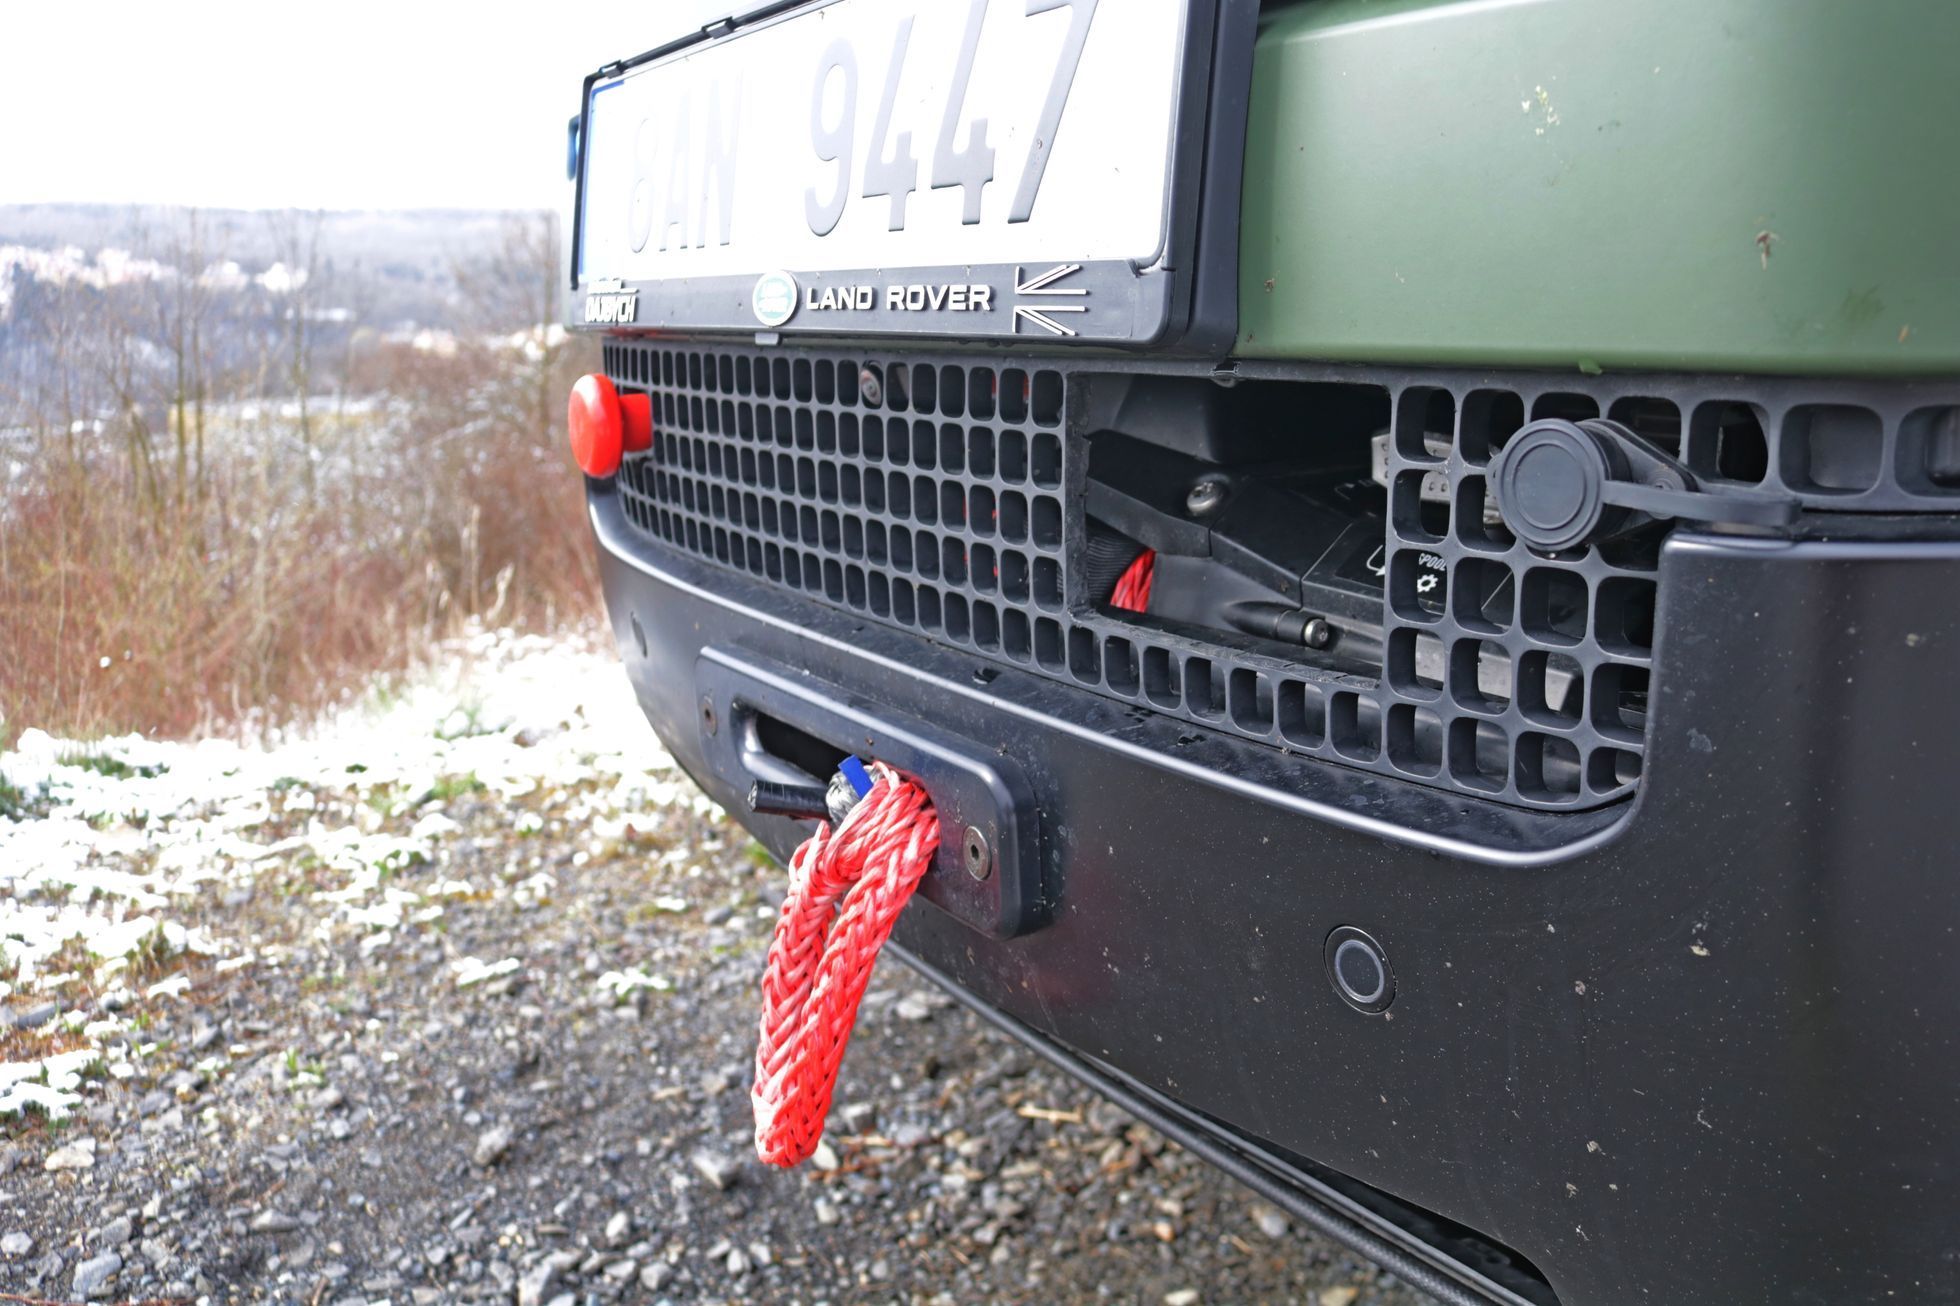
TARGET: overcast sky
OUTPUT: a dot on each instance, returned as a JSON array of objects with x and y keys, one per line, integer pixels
[{"x": 356, "y": 104}]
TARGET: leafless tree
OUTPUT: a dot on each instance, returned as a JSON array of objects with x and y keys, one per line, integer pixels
[
  {"x": 183, "y": 308},
  {"x": 296, "y": 238},
  {"x": 123, "y": 354},
  {"x": 516, "y": 290}
]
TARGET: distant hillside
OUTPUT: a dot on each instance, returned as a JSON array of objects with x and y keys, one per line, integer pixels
[
  {"x": 405, "y": 263},
  {"x": 113, "y": 313},
  {"x": 424, "y": 238}
]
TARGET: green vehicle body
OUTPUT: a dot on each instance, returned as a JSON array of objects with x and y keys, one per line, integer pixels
[{"x": 1732, "y": 185}]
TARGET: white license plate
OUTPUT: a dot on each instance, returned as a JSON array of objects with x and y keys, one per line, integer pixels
[{"x": 890, "y": 165}]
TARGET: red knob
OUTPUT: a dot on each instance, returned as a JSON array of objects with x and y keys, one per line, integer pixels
[{"x": 606, "y": 424}]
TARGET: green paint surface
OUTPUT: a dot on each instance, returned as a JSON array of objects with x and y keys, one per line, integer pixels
[{"x": 1743, "y": 185}]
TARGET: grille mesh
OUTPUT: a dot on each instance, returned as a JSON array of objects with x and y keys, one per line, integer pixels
[
  {"x": 1505, "y": 671},
  {"x": 934, "y": 497},
  {"x": 937, "y": 508}
]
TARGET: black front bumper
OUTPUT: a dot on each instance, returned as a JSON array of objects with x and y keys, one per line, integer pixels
[{"x": 1699, "y": 1047}]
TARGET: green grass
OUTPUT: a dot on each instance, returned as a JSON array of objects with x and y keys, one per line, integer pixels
[
  {"x": 452, "y": 786},
  {"x": 465, "y": 721},
  {"x": 113, "y": 768},
  {"x": 151, "y": 955},
  {"x": 297, "y": 1069},
  {"x": 19, "y": 805}
]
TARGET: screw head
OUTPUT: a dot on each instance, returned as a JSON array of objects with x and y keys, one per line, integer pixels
[
  {"x": 871, "y": 386},
  {"x": 709, "y": 722},
  {"x": 976, "y": 853},
  {"x": 1317, "y": 634},
  {"x": 1206, "y": 497}
]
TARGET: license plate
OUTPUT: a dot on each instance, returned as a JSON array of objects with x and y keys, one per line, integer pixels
[{"x": 957, "y": 167}]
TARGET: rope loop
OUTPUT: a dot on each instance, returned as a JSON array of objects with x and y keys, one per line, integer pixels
[{"x": 847, "y": 887}]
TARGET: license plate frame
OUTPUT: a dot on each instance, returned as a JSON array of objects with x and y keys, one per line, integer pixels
[{"x": 1151, "y": 301}]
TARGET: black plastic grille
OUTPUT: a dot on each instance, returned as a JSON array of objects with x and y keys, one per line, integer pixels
[
  {"x": 937, "y": 504},
  {"x": 1506, "y": 671},
  {"x": 935, "y": 493}
]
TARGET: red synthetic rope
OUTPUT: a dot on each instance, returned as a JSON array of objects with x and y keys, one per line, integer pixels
[
  {"x": 1132, "y": 592},
  {"x": 820, "y": 959}
]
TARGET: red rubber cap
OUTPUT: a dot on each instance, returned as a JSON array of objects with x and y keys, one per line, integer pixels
[{"x": 606, "y": 424}]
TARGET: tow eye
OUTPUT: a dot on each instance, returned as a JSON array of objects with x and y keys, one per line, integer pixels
[
  {"x": 1562, "y": 484},
  {"x": 606, "y": 424},
  {"x": 814, "y": 802}
]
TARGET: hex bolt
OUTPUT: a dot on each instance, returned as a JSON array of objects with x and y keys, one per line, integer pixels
[
  {"x": 871, "y": 386},
  {"x": 708, "y": 721},
  {"x": 1206, "y": 497},
  {"x": 978, "y": 854}
]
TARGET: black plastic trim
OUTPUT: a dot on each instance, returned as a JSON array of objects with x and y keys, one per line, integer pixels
[{"x": 971, "y": 785}]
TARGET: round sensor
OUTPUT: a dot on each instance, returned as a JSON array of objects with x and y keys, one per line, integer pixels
[{"x": 1359, "y": 971}]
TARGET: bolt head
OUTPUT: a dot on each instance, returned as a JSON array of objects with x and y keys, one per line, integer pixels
[
  {"x": 871, "y": 386},
  {"x": 976, "y": 853},
  {"x": 1318, "y": 633},
  {"x": 1207, "y": 496}
]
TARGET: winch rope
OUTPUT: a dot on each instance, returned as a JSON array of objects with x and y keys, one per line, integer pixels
[
  {"x": 846, "y": 888},
  {"x": 1132, "y": 592}
]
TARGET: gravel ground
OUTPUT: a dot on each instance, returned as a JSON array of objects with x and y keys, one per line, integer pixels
[{"x": 453, "y": 999}]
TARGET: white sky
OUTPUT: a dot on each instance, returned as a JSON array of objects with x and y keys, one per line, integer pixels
[{"x": 353, "y": 104}]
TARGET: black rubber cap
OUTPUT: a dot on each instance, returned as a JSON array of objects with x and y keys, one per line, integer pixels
[
  {"x": 1359, "y": 970},
  {"x": 1549, "y": 480}
]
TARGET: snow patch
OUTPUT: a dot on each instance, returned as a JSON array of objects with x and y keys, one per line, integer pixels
[{"x": 134, "y": 834}]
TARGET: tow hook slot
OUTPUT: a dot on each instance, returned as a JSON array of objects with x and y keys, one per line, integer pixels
[{"x": 985, "y": 806}]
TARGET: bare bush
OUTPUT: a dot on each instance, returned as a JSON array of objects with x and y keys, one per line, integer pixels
[{"x": 215, "y": 546}]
